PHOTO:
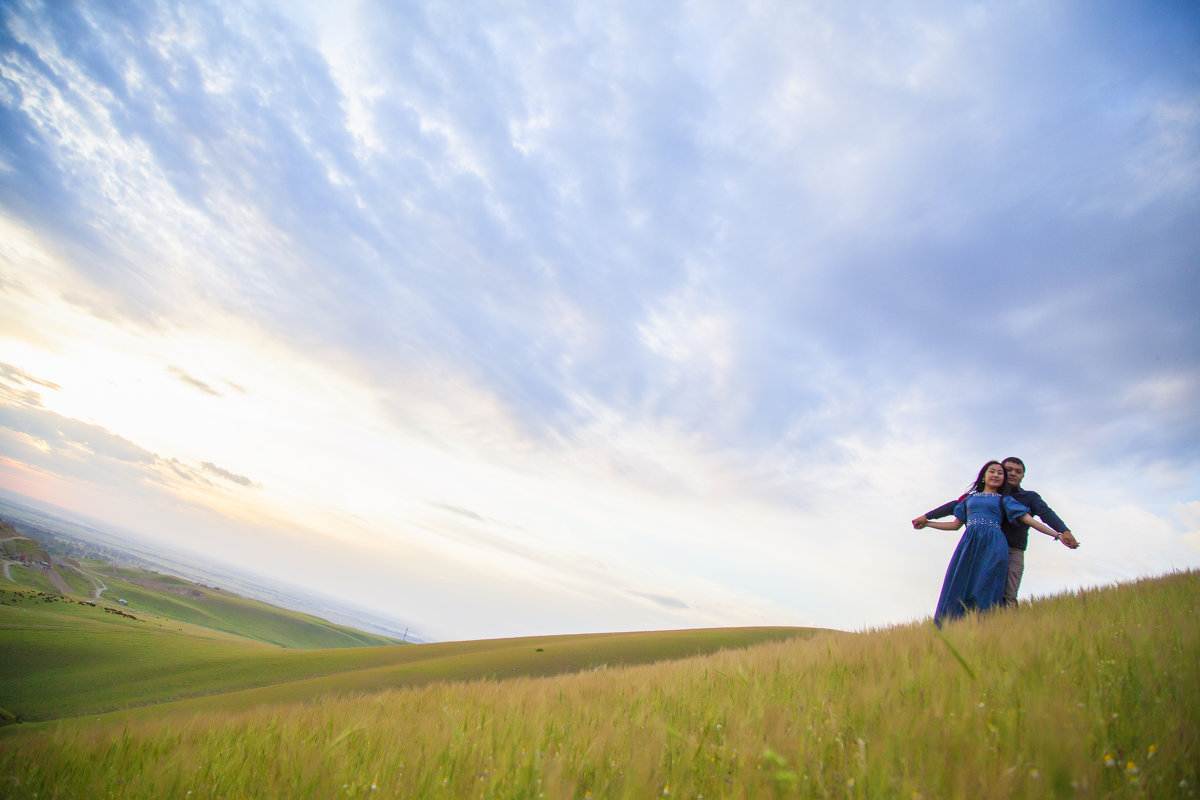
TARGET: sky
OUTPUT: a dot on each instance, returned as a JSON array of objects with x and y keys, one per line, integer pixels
[{"x": 518, "y": 318}]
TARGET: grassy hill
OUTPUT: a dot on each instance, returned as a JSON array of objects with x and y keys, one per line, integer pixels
[
  {"x": 178, "y": 599},
  {"x": 150, "y": 594},
  {"x": 27, "y": 563},
  {"x": 1091, "y": 694},
  {"x": 70, "y": 658}
]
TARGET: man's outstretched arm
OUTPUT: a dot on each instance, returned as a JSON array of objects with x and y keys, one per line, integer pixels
[
  {"x": 944, "y": 510},
  {"x": 1039, "y": 508}
]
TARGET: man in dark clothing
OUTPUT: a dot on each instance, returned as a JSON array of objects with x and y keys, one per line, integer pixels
[{"x": 1016, "y": 533}]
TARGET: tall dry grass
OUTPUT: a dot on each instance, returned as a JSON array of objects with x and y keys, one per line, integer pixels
[{"x": 1085, "y": 695}]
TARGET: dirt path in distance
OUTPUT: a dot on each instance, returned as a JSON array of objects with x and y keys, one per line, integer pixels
[
  {"x": 57, "y": 581},
  {"x": 100, "y": 585}
]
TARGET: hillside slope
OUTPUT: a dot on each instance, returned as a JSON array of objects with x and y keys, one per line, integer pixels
[
  {"x": 69, "y": 658},
  {"x": 179, "y": 599},
  {"x": 1087, "y": 695}
]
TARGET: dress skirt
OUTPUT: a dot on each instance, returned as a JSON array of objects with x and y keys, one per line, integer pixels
[{"x": 977, "y": 572}]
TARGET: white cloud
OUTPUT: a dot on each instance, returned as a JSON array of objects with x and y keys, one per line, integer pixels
[
  {"x": 695, "y": 337},
  {"x": 1189, "y": 513}
]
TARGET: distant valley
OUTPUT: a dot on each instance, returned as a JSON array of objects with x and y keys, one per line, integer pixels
[{"x": 66, "y": 535}]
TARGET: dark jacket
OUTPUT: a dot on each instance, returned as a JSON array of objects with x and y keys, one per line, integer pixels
[{"x": 1016, "y": 533}]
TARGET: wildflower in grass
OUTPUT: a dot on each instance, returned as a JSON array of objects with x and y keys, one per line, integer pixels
[
  {"x": 1131, "y": 768},
  {"x": 1153, "y": 749},
  {"x": 666, "y": 790},
  {"x": 1033, "y": 773},
  {"x": 1109, "y": 761}
]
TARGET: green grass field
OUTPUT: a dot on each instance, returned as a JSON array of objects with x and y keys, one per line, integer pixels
[
  {"x": 71, "y": 659},
  {"x": 29, "y": 578},
  {"x": 1092, "y": 694}
]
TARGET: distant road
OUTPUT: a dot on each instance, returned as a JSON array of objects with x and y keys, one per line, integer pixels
[
  {"x": 100, "y": 585},
  {"x": 7, "y": 574}
]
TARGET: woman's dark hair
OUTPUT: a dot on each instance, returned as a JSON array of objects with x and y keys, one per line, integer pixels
[{"x": 977, "y": 486}]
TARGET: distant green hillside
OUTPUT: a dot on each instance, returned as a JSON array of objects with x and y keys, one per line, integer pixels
[
  {"x": 150, "y": 593},
  {"x": 18, "y": 548},
  {"x": 26, "y": 563},
  {"x": 175, "y": 598}
]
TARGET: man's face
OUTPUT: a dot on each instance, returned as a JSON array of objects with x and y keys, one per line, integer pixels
[{"x": 1015, "y": 473}]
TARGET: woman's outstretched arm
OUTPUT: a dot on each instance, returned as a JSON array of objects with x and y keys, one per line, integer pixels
[
  {"x": 1041, "y": 526},
  {"x": 949, "y": 525}
]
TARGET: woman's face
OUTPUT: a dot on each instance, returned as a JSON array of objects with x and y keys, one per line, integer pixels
[{"x": 993, "y": 478}]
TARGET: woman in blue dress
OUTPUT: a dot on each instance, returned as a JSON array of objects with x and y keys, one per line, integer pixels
[{"x": 977, "y": 572}]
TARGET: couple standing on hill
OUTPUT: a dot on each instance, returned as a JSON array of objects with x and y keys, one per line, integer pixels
[{"x": 989, "y": 561}]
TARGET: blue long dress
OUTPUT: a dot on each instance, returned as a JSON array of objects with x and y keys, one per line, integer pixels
[{"x": 979, "y": 568}]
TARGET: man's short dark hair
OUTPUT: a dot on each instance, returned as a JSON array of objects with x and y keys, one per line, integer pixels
[{"x": 1014, "y": 460}]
